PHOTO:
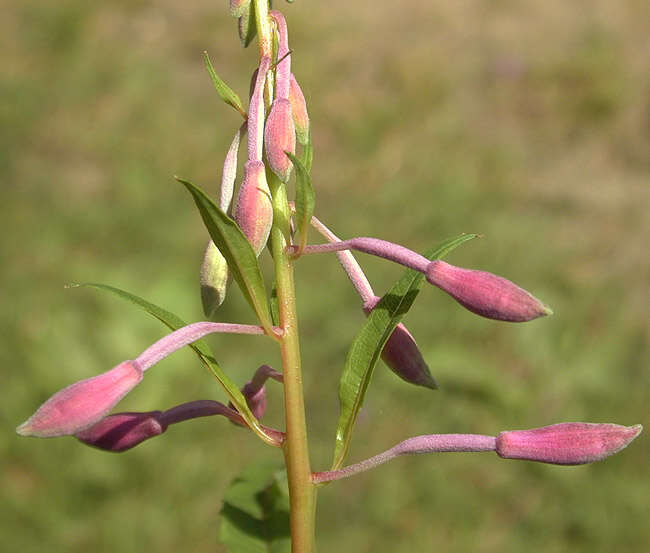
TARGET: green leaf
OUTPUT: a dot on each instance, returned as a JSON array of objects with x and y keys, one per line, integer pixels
[
  {"x": 369, "y": 342},
  {"x": 255, "y": 512},
  {"x": 236, "y": 248},
  {"x": 200, "y": 347},
  {"x": 305, "y": 200},
  {"x": 308, "y": 153},
  {"x": 226, "y": 93}
]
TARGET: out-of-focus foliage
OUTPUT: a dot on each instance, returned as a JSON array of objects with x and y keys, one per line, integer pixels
[{"x": 523, "y": 121}]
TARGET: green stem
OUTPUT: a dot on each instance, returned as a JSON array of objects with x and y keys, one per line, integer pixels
[{"x": 296, "y": 451}]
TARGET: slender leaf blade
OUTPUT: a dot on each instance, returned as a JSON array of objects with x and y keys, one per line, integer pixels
[
  {"x": 200, "y": 347},
  {"x": 307, "y": 156},
  {"x": 369, "y": 342},
  {"x": 255, "y": 512},
  {"x": 227, "y": 94},
  {"x": 305, "y": 201},
  {"x": 236, "y": 248}
]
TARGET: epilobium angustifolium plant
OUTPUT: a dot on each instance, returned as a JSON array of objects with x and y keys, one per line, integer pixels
[{"x": 258, "y": 215}]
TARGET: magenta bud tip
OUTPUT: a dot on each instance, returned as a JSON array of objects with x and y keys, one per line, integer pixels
[
  {"x": 569, "y": 443},
  {"x": 83, "y": 403}
]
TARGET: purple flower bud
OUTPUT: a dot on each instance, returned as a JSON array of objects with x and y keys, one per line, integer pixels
[
  {"x": 255, "y": 399},
  {"x": 486, "y": 294},
  {"x": 403, "y": 356},
  {"x": 568, "y": 443},
  {"x": 254, "y": 212},
  {"x": 280, "y": 137},
  {"x": 214, "y": 279},
  {"x": 123, "y": 431},
  {"x": 83, "y": 403},
  {"x": 299, "y": 111}
]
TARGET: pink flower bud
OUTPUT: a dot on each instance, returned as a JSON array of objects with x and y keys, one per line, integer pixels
[
  {"x": 214, "y": 279},
  {"x": 486, "y": 294},
  {"x": 254, "y": 212},
  {"x": 83, "y": 403},
  {"x": 402, "y": 355},
  {"x": 568, "y": 443},
  {"x": 123, "y": 431},
  {"x": 280, "y": 137},
  {"x": 299, "y": 111}
]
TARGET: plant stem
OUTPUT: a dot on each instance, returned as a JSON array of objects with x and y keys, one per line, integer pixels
[{"x": 296, "y": 452}]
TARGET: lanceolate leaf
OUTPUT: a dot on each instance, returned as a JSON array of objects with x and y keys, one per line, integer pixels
[
  {"x": 200, "y": 347},
  {"x": 255, "y": 512},
  {"x": 236, "y": 248},
  {"x": 226, "y": 93},
  {"x": 369, "y": 341},
  {"x": 305, "y": 200},
  {"x": 307, "y": 156}
]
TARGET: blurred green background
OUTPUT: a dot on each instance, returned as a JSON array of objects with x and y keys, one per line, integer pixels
[{"x": 524, "y": 121}]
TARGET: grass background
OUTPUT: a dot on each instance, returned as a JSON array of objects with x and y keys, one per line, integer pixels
[{"x": 525, "y": 121}]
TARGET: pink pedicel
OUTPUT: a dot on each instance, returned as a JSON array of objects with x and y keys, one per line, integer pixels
[
  {"x": 254, "y": 212},
  {"x": 299, "y": 111},
  {"x": 486, "y": 294},
  {"x": 280, "y": 137},
  {"x": 568, "y": 443},
  {"x": 123, "y": 431},
  {"x": 83, "y": 403}
]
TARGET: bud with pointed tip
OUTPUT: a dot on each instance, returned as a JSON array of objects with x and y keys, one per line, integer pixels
[
  {"x": 123, "y": 431},
  {"x": 83, "y": 403},
  {"x": 246, "y": 25},
  {"x": 254, "y": 211},
  {"x": 280, "y": 137},
  {"x": 568, "y": 443},
  {"x": 214, "y": 279},
  {"x": 486, "y": 294},
  {"x": 255, "y": 398},
  {"x": 299, "y": 111},
  {"x": 402, "y": 355}
]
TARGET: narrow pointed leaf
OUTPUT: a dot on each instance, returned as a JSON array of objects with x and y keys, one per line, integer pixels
[
  {"x": 200, "y": 347},
  {"x": 366, "y": 348},
  {"x": 226, "y": 93},
  {"x": 305, "y": 200},
  {"x": 307, "y": 156},
  {"x": 236, "y": 248},
  {"x": 255, "y": 512}
]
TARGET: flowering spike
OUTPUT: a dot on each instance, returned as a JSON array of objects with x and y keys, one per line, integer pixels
[
  {"x": 83, "y": 403},
  {"x": 486, "y": 294},
  {"x": 123, "y": 431},
  {"x": 568, "y": 443},
  {"x": 254, "y": 212},
  {"x": 214, "y": 279},
  {"x": 299, "y": 111},
  {"x": 280, "y": 137},
  {"x": 403, "y": 356}
]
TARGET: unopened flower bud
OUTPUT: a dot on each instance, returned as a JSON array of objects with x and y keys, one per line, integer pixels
[
  {"x": 83, "y": 403},
  {"x": 123, "y": 431},
  {"x": 255, "y": 399},
  {"x": 246, "y": 25},
  {"x": 280, "y": 137},
  {"x": 238, "y": 7},
  {"x": 299, "y": 111},
  {"x": 486, "y": 294},
  {"x": 254, "y": 212},
  {"x": 214, "y": 279},
  {"x": 402, "y": 355},
  {"x": 568, "y": 443}
]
